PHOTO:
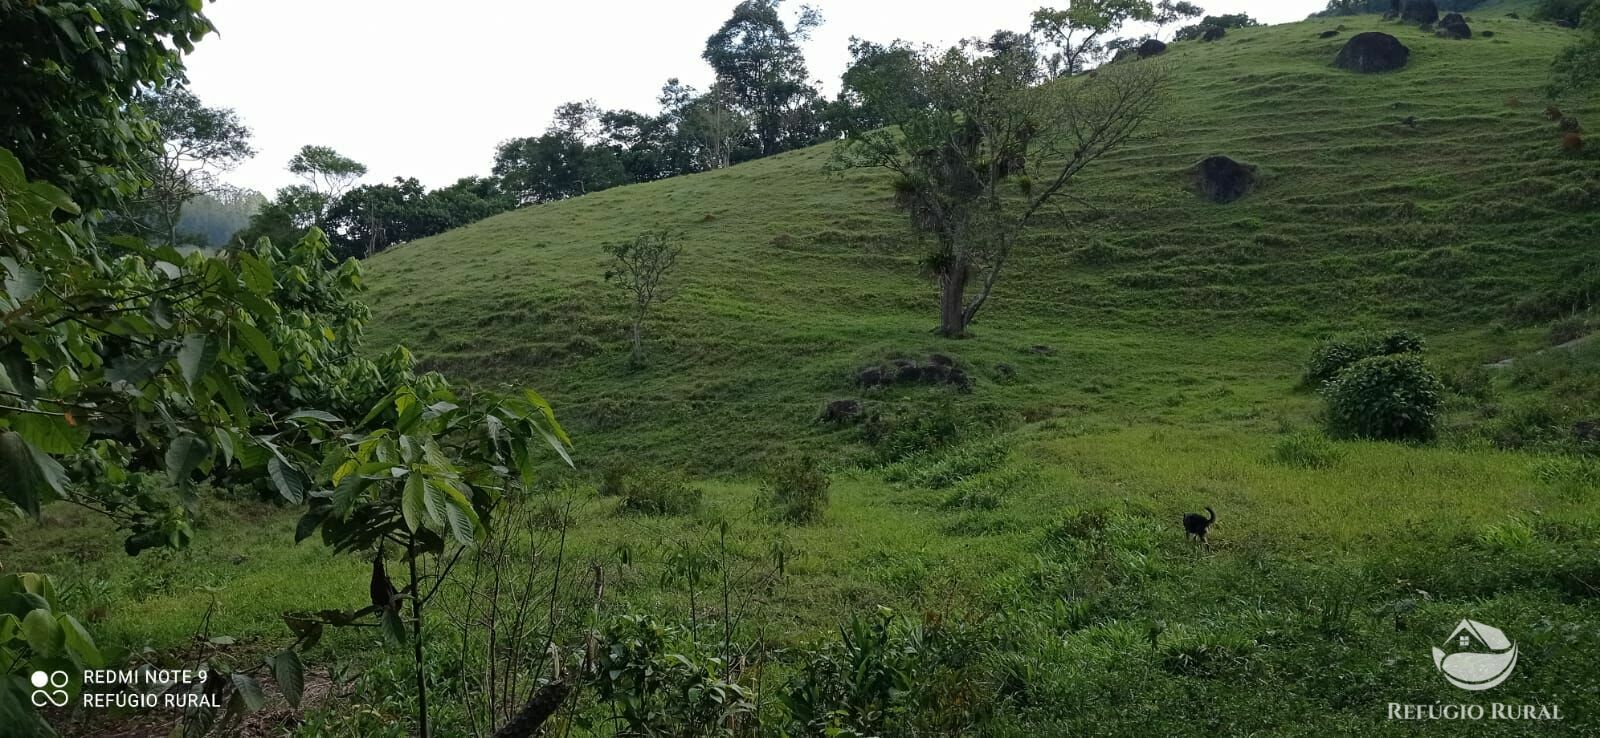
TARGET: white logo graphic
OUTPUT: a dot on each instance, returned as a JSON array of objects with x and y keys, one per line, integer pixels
[
  {"x": 48, "y": 689},
  {"x": 1475, "y": 670}
]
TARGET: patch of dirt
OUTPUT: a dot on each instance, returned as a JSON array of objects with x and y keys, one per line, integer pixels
[{"x": 1568, "y": 346}]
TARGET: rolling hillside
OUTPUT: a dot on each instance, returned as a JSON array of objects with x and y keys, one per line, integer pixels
[
  {"x": 1140, "y": 361},
  {"x": 794, "y": 278}
]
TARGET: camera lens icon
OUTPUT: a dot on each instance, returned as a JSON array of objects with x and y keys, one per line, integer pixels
[{"x": 49, "y": 689}]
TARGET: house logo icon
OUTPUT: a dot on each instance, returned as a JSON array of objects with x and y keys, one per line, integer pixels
[{"x": 1482, "y": 657}]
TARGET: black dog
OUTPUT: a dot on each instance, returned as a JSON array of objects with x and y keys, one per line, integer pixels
[{"x": 1198, "y": 525}]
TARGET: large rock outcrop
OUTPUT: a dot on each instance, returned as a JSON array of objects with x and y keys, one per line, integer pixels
[
  {"x": 1151, "y": 47},
  {"x": 1373, "y": 52},
  {"x": 1454, "y": 26},
  {"x": 1420, "y": 11},
  {"x": 1224, "y": 180}
]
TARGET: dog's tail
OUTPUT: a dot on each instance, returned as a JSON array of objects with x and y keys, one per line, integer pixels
[{"x": 1213, "y": 514}]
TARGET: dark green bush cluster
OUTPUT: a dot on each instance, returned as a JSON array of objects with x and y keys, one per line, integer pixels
[
  {"x": 658, "y": 494},
  {"x": 886, "y": 676},
  {"x": 795, "y": 490},
  {"x": 652, "y": 675},
  {"x": 1385, "y": 398},
  {"x": 1333, "y": 356}
]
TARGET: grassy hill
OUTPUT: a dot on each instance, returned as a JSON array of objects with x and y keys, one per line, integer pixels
[
  {"x": 794, "y": 278},
  {"x": 1152, "y": 346}
]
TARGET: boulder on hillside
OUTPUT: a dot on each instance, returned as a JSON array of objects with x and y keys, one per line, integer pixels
[
  {"x": 1224, "y": 180},
  {"x": 1420, "y": 11},
  {"x": 1214, "y": 33},
  {"x": 1327, "y": 34},
  {"x": 939, "y": 369},
  {"x": 842, "y": 411},
  {"x": 1373, "y": 52},
  {"x": 1454, "y": 26},
  {"x": 1151, "y": 47}
]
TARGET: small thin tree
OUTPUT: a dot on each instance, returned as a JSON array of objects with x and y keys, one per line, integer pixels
[
  {"x": 641, "y": 268},
  {"x": 978, "y": 149}
]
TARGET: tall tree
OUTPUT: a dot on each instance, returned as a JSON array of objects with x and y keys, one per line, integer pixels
[
  {"x": 757, "y": 56},
  {"x": 556, "y": 166},
  {"x": 979, "y": 150},
  {"x": 196, "y": 143},
  {"x": 1168, "y": 12},
  {"x": 1578, "y": 67},
  {"x": 327, "y": 172},
  {"x": 878, "y": 74},
  {"x": 1078, "y": 34},
  {"x": 71, "y": 72}
]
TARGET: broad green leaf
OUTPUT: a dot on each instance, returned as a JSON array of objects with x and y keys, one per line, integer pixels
[
  {"x": 548, "y": 413},
  {"x": 42, "y": 632},
  {"x": 463, "y": 519},
  {"x": 325, "y": 417},
  {"x": 30, "y": 474},
  {"x": 235, "y": 402},
  {"x": 185, "y": 454},
  {"x": 257, "y": 275},
  {"x": 11, "y": 170},
  {"x": 259, "y": 345},
  {"x": 53, "y": 195},
  {"x": 287, "y": 480},
  {"x": 199, "y": 352},
  {"x": 250, "y": 691},
  {"x": 347, "y": 492},
  {"x": 394, "y": 630},
  {"x": 52, "y": 434},
  {"x": 412, "y": 505},
  {"x": 434, "y": 501},
  {"x": 225, "y": 444},
  {"x": 291, "y": 676},
  {"x": 21, "y": 282},
  {"x": 20, "y": 370},
  {"x": 253, "y": 452},
  {"x": 80, "y": 644}
]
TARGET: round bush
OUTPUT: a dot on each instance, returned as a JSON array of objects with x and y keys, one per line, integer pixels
[
  {"x": 1333, "y": 356},
  {"x": 1385, "y": 398}
]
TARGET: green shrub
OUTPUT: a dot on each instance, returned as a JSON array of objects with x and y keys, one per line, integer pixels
[
  {"x": 1306, "y": 451},
  {"x": 1568, "y": 329},
  {"x": 911, "y": 430},
  {"x": 661, "y": 494},
  {"x": 614, "y": 481},
  {"x": 1332, "y": 356},
  {"x": 795, "y": 490},
  {"x": 1386, "y": 398},
  {"x": 1080, "y": 525}
]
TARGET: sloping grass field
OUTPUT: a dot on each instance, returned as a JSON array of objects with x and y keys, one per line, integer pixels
[{"x": 1141, "y": 359}]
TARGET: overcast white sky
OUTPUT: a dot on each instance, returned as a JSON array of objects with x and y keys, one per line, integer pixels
[{"x": 426, "y": 88}]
